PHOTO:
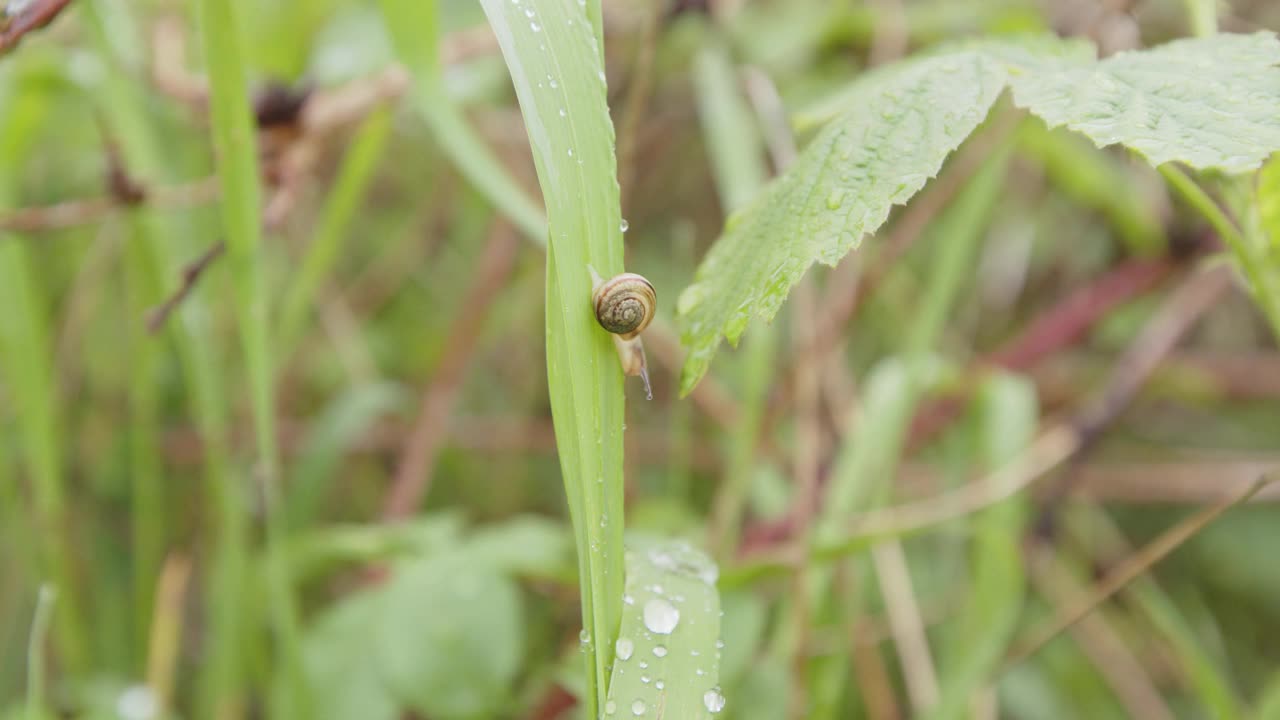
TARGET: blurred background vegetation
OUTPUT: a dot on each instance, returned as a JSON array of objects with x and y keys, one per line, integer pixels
[{"x": 412, "y": 406}]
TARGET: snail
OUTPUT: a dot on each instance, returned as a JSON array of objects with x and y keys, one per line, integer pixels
[{"x": 625, "y": 305}]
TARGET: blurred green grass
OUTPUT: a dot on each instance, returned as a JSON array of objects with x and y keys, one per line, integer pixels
[{"x": 124, "y": 452}]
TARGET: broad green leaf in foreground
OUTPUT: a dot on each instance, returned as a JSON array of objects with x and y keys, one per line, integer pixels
[
  {"x": 879, "y": 153},
  {"x": 443, "y": 636},
  {"x": 1208, "y": 102},
  {"x": 667, "y": 659}
]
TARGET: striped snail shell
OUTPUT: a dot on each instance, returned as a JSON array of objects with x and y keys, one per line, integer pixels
[{"x": 625, "y": 304}]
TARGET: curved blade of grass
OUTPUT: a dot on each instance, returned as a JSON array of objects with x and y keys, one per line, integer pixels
[
  {"x": 1007, "y": 412},
  {"x": 353, "y": 179},
  {"x": 25, "y": 361},
  {"x": 157, "y": 236},
  {"x": 1269, "y": 700},
  {"x": 1269, "y": 200},
  {"x": 414, "y": 29},
  {"x": 241, "y": 210},
  {"x": 554, "y": 58},
  {"x": 1211, "y": 683},
  {"x": 736, "y": 152},
  {"x": 36, "y": 661},
  {"x": 667, "y": 660}
]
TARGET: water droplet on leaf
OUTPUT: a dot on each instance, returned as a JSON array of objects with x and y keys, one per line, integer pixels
[{"x": 660, "y": 616}]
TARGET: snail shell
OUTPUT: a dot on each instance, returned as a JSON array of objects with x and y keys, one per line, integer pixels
[{"x": 625, "y": 304}]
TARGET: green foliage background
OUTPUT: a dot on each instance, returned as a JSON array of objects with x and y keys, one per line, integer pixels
[{"x": 210, "y": 502}]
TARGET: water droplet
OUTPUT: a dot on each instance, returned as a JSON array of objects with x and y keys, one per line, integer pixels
[
  {"x": 645, "y": 679},
  {"x": 660, "y": 650},
  {"x": 584, "y": 637},
  {"x": 528, "y": 12},
  {"x": 570, "y": 152},
  {"x": 660, "y": 616},
  {"x": 563, "y": 113},
  {"x": 610, "y": 707},
  {"x": 554, "y": 84},
  {"x": 637, "y": 708},
  {"x": 628, "y": 600},
  {"x": 535, "y": 27},
  {"x": 644, "y": 664},
  {"x": 624, "y": 225},
  {"x": 137, "y": 702},
  {"x": 660, "y": 685},
  {"x": 624, "y": 648},
  {"x": 713, "y": 700}
]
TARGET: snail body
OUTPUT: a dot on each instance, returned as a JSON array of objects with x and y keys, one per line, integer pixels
[{"x": 624, "y": 305}]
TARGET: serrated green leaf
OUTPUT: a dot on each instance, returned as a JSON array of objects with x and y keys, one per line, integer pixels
[
  {"x": 667, "y": 660},
  {"x": 1209, "y": 102},
  {"x": 879, "y": 153},
  {"x": 1023, "y": 53}
]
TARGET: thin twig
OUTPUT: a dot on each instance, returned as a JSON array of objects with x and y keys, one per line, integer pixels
[
  {"x": 72, "y": 213},
  {"x": 190, "y": 276},
  {"x": 1048, "y": 452},
  {"x": 918, "y": 670},
  {"x": 1099, "y": 641},
  {"x": 417, "y": 461},
  {"x": 1179, "y": 313},
  {"x": 1128, "y": 570},
  {"x": 1062, "y": 325},
  {"x": 33, "y": 17}
]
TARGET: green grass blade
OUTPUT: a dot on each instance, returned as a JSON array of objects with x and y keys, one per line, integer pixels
[
  {"x": 667, "y": 661},
  {"x": 414, "y": 29},
  {"x": 1268, "y": 201},
  {"x": 869, "y": 458},
  {"x": 1210, "y": 682},
  {"x": 1269, "y": 700},
  {"x": 26, "y": 364},
  {"x": 734, "y": 146},
  {"x": 550, "y": 49},
  {"x": 736, "y": 152},
  {"x": 36, "y": 661},
  {"x": 239, "y": 179},
  {"x": 158, "y": 239},
  {"x": 353, "y": 179},
  {"x": 1007, "y": 413}
]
